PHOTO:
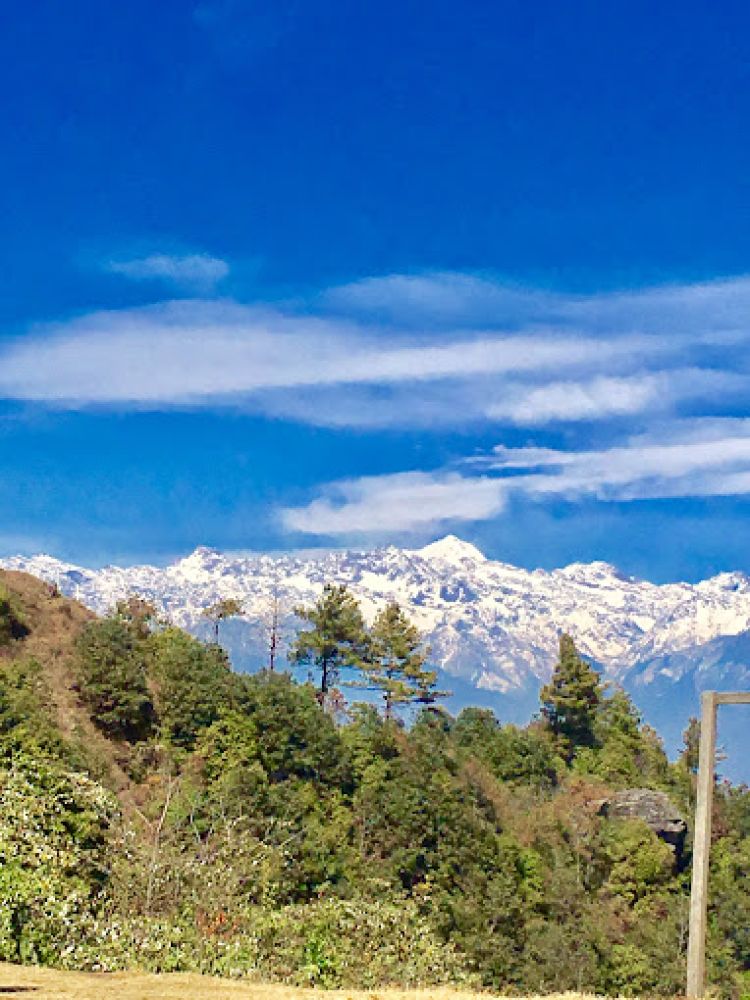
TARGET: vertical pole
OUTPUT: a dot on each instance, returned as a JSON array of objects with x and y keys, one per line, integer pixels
[{"x": 696, "y": 971}]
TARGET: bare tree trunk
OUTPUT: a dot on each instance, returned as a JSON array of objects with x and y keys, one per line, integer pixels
[
  {"x": 274, "y": 638},
  {"x": 157, "y": 845}
]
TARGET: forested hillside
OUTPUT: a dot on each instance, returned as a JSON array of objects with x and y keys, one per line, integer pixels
[{"x": 159, "y": 811}]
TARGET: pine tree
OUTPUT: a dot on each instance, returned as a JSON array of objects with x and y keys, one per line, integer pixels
[
  {"x": 228, "y": 607},
  {"x": 397, "y": 659},
  {"x": 570, "y": 700},
  {"x": 690, "y": 755},
  {"x": 336, "y": 639},
  {"x": 272, "y": 615},
  {"x": 621, "y": 747}
]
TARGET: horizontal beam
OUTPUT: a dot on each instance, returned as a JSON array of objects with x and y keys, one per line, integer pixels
[{"x": 732, "y": 697}]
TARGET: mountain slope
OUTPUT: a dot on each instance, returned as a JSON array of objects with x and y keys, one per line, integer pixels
[{"x": 52, "y": 623}]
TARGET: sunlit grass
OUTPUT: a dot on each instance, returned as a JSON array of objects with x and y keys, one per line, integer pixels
[{"x": 48, "y": 984}]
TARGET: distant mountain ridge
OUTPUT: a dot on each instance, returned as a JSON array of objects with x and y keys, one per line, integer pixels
[{"x": 493, "y": 627}]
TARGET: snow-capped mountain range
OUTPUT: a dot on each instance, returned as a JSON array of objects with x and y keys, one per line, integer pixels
[{"x": 493, "y": 628}]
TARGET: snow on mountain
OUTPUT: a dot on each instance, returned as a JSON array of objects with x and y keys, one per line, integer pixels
[{"x": 489, "y": 623}]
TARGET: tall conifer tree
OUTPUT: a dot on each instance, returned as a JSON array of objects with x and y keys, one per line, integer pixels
[
  {"x": 570, "y": 700},
  {"x": 397, "y": 661},
  {"x": 337, "y": 637}
]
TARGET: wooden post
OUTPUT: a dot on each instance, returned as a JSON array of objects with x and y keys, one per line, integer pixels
[
  {"x": 696, "y": 965},
  {"x": 696, "y": 977}
]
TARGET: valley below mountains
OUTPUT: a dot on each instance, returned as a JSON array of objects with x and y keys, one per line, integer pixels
[{"x": 493, "y": 628}]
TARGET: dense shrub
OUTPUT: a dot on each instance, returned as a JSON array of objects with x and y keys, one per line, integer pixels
[
  {"x": 111, "y": 669},
  {"x": 53, "y": 827},
  {"x": 12, "y": 619},
  {"x": 192, "y": 684},
  {"x": 330, "y": 943}
]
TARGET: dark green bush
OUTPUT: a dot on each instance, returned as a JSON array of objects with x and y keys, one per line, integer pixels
[
  {"x": 13, "y": 624},
  {"x": 111, "y": 670},
  {"x": 193, "y": 684}
]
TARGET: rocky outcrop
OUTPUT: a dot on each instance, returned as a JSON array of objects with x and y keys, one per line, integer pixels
[{"x": 656, "y": 810}]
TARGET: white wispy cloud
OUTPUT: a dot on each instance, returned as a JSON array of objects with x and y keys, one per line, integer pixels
[
  {"x": 191, "y": 351},
  {"x": 606, "y": 396},
  {"x": 438, "y": 351},
  {"x": 198, "y": 272},
  {"x": 694, "y": 458},
  {"x": 722, "y": 305},
  {"x": 689, "y": 459},
  {"x": 402, "y": 502},
  {"x": 455, "y": 349}
]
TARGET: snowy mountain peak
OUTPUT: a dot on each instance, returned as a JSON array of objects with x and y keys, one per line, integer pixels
[
  {"x": 735, "y": 581},
  {"x": 200, "y": 565},
  {"x": 452, "y": 550},
  {"x": 492, "y": 626},
  {"x": 595, "y": 571}
]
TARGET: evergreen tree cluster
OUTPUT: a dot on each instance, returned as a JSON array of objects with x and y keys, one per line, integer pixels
[
  {"x": 140, "y": 679},
  {"x": 390, "y": 657}
]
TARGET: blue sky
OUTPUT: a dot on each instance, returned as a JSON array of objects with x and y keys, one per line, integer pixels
[{"x": 297, "y": 274}]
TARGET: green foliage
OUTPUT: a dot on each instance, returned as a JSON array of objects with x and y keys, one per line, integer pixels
[
  {"x": 645, "y": 958},
  {"x": 396, "y": 661},
  {"x": 53, "y": 827},
  {"x": 570, "y": 700},
  {"x": 111, "y": 670},
  {"x": 25, "y": 701},
  {"x": 625, "y": 754},
  {"x": 12, "y": 619},
  {"x": 329, "y": 944},
  {"x": 192, "y": 684},
  {"x": 28, "y": 720},
  {"x": 294, "y": 738},
  {"x": 519, "y": 756},
  {"x": 730, "y": 902},
  {"x": 266, "y": 840},
  {"x": 337, "y": 637},
  {"x": 690, "y": 755},
  {"x": 638, "y": 862},
  {"x": 226, "y": 608}
]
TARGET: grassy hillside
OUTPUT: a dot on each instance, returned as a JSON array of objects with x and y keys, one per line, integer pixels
[
  {"x": 51, "y": 624},
  {"x": 160, "y": 813}
]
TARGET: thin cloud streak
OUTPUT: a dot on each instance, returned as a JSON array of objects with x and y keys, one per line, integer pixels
[
  {"x": 697, "y": 460},
  {"x": 605, "y": 396},
  {"x": 500, "y": 400},
  {"x": 721, "y": 305},
  {"x": 199, "y": 272},
  {"x": 396, "y": 503},
  {"x": 691, "y": 459},
  {"x": 189, "y": 352},
  {"x": 481, "y": 352}
]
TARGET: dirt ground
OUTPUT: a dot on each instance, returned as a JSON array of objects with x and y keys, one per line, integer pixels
[{"x": 47, "y": 984}]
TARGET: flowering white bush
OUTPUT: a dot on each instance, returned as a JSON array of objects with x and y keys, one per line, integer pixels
[{"x": 53, "y": 826}]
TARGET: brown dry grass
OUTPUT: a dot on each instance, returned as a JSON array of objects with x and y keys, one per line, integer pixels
[
  {"x": 55, "y": 622},
  {"x": 48, "y": 984}
]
